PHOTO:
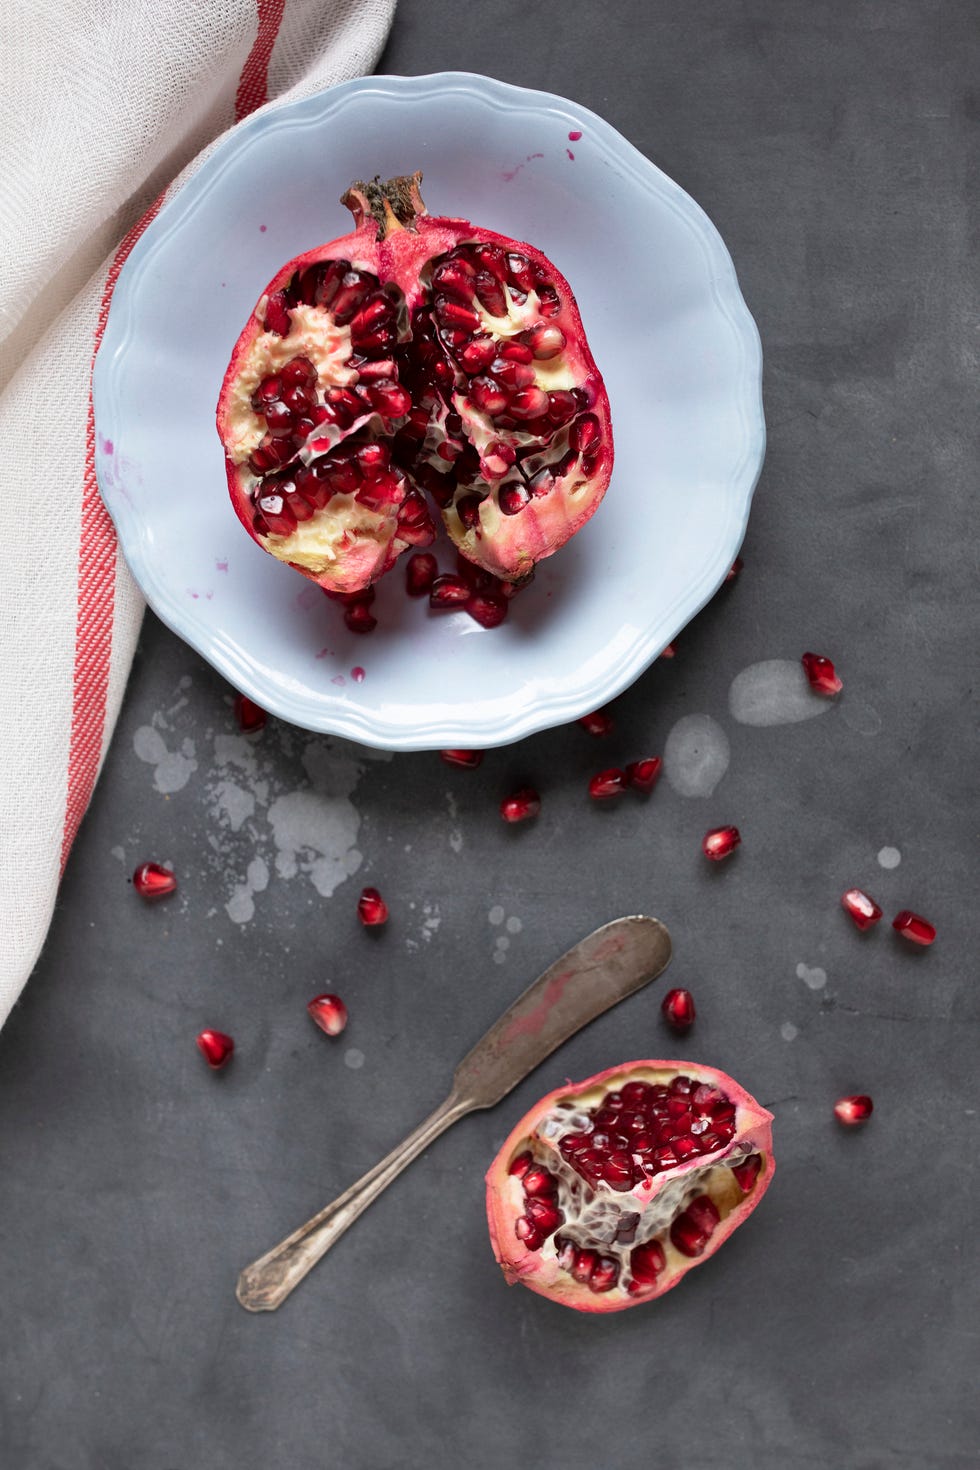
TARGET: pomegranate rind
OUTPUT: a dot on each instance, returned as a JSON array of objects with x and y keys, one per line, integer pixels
[{"x": 539, "y": 1270}]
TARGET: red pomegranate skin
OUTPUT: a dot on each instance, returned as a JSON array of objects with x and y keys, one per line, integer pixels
[
  {"x": 398, "y": 244},
  {"x": 539, "y": 1269}
]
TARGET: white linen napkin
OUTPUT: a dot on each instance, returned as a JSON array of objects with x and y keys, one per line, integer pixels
[{"x": 108, "y": 108}]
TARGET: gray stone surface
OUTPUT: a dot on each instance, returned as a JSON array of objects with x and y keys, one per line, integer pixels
[{"x": 830, "y": 143}]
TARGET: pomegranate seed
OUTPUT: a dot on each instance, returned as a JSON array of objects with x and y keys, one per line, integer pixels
[
  {"x": 477, "y": 355},
  {"x": 448, "y": 591},
  {"x": 543, "y": 1214},
  {"x": 678, "y": 1009},
  {"x": 646, "y": 1262},
  {"x": 277, "y": 317},
  {"x": 520, "y": 805},
  {"x": 855, "y": 1109},
  {"x": 371, "y": 908},
  {"x": 821, "y": 674},
  {"x": 468, "y": 759},
  {"x": 734, "y": 569},
  {"x": 692, "y": 1230},
  {"x": 720, "y": 843},
  {"x": 487, "y": 395},
  {"x": 605, "y": 1274},
  {"x": 914, "y": 927},
  {"x": 216, "y": 1048},
  {"x": 607, "y": 784},
  {"x": 521, "y": 1165},
  {"x": 487, "y": 610},
  {"x": 585, "y": 1263},
  {"x": 669, "y": 652},
  {"x": 528, "y": 403},
  {"x": 528, "y": 1233},
  {"x": 538, "y": 1181},
  {"x": 513, "y": 497},
  {"x": 359, "y": 618},
  {"x": 598, "y": 723},
  {"x": 644, "y": 775},
  {"x": 420, "y": 572},
  {"x": 584, "y": 433},
  {"x": 861, "y": 907},
  {"x": 151, "y": 881},
  {"x": 545, "y": 340},
  {"x": 250, "y": 716},
  {"x": 329, "y": 1013},
  {"x": 747, "y": 1172}
]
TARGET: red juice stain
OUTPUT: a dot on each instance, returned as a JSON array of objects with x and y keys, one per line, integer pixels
[
  {"x": 262, "y": 229},
  {"x": 338, "y": 679},
  {"x": 570, "y": 154}
]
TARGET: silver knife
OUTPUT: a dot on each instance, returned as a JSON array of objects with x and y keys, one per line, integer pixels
[{"x": 600, "y": 970}]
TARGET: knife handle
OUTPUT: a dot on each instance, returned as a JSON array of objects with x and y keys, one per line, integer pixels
[{"x": 265, "y": 1284}]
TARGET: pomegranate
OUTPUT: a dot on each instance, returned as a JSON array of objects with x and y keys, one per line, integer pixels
[
  {"x": 250, "y": 716},
  {"x": 678, "y": 1009},
  {"x": 861, "y": 907},
  {"x": 521, "y": 805},
  {"x": 822, "y": 675},
  {"x": 608, "y": 1191},
  {"x": 914, "y": 927},
  {"x": 329, "y": 1013},
  {"x": 414, "y": 354},
  {"x": 371, "y": 908},
  {"x": 720, "y": 843},
  {"x": 855, "y": 1109}
]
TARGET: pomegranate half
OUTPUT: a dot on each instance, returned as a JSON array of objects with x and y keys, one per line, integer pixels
[
  {"x": 608, "y": 1191},
  {"x": 415, "y": 354}
]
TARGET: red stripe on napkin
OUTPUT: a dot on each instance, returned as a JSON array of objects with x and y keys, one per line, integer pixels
[
  {"x": 254, "y": 81},
  {"x": 96, "y": 596}
]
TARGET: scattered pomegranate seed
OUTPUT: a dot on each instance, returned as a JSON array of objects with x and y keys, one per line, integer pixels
[
  {"x": 420, "y": 573},
  {"x": 597, "y": 723},
  {"x": 734, "y": 569},
  {"x": 216, "y": 1048},
  {"x": 669, "y": 652},
  {"x": 329, "y": 1013},
  {"x": 468, "y": 759},
  {"x": 607, "y": 784},
  {"x": 151, "y": 881},
  {"x": 914, "y": 927},
  {"x": 644, "y": 775},
  {"x": 359, "y": 618},
  {"x": 520, "y": 805},
  {"x": 448, "y": 591},
  {"x": 250, "y": 716},
  {"x": 486, "y": 609},
  {"x": 821, "y": 674},
  {"x": 720, "y": 843},
  {"x": 371, "y": 908},
  {"x": 678, "y": 1009},
  {"x": 861, "y": 907},
  {"x": 856, "y": 1109}
]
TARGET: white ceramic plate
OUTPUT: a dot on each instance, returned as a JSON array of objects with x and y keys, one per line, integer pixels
[{"x": 672, "y": 336}]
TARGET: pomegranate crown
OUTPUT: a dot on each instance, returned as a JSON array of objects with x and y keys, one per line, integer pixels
[{"x": 394, "y": 204}]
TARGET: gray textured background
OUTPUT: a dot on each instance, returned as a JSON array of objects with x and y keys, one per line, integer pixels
[{"x": 831, "y": 145}]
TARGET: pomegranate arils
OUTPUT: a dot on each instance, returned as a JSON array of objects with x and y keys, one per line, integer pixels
[
  {"x": 521, "y": 1164},
  {"x": 216, "y": 1047},
  {"x": 489, "y": 611},
  {"x": 468, "y": 759},
  {"x": 250, "y": 716},
  {"x": 421, "y": 571},
  {"x": 734, "y": 570},
  {"x": 747, "y": 1172},
  {"x": 598, "y": 723},
  {"x": 861, "y": 907},
  {"x": 329, "y": 1013},
  {"x": 359, "y": 618},
  {"x": 646, "y": 1263},
  {"x": 607, "y": 784},
  {"x": 448, "y": 591},
  {"x": 855, "y": 1109},
  {"x": 691, "y": 1231},
  {"x": 678, "y": 1010},
  {"x": 643, "y": 775},
  {"x": 720, "y": 843},
  {"x": 371, "y": 908},
  {"x": 821, "y": 674},
  {"x": 521, "y": 805},
  {"x": 152, "y": 881},
  {"x": 914, "y": 927}
]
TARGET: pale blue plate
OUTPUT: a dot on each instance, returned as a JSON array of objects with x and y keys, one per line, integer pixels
[{"x": 669, "y": 329}]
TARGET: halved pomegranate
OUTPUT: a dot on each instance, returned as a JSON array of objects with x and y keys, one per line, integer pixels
[
  {"x": 608, "y": 1191},
  {"x": 416, "y": 353}
]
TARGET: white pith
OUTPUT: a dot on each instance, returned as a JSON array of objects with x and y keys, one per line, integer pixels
[
  {"x": 313, "y": 334},
  {"x": 319, "y": 543}
]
